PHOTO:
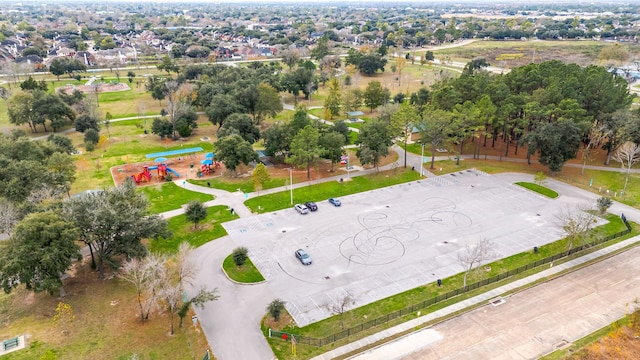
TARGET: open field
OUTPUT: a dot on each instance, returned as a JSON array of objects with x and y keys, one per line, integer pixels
[
  {"x": 105, "y": 324},
  {"x": 582, "y": 52}
]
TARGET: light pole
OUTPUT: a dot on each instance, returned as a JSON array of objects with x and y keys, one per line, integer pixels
[
  {"x": 422, "y": 160},
  {"x": 291, "y": 184}
]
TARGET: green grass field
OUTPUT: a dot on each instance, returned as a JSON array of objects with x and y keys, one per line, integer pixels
[
  {"x": 169, "y": 196},
  {"x": 247, "y": 273},
  {"x": 539, "y": 189},
  {"x": 183, "y": 230},
  {"x": 234, "y": 184},
  {"x": 323, "y": 191}
]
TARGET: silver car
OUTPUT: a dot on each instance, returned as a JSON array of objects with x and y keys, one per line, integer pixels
[
  {"x": 304, "y": 258},
  {"x": 301, "y": 209}
]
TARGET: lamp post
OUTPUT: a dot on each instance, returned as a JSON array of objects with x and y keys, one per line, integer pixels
[
  {"x": 422, "y": 160},
  {"x": 291, "y": 184}
]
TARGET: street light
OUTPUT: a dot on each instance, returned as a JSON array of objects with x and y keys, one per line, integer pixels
[
  {"x": 422, "y": 160},
  {"x": 291, "y": 184}
]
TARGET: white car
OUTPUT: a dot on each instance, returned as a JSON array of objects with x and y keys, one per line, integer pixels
[{"x": 301, "y": 209}]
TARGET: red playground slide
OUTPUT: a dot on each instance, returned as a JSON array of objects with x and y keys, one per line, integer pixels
[{"x": 146, "y": 175}]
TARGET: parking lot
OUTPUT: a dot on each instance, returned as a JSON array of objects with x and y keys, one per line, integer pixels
[{"x": 390, "y": 240}]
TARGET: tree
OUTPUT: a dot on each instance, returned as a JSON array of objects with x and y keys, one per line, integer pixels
[
  {"x": 145, "y": 276},
  {"x": 61, "y": 143},
  {"x": 155, "y": 85},
  {"x": 373, "y": 95},
  {"x": 57, "y": 68},
  {"x": 233, "y": 150},
  {"x": 168, "y": 65},
  {"x": 85, "y": 122},
  {"x": 342, "y": 128},
  {"x": 332, "y": 102},
  {"x": 402, "y": 120},
  {"x": 221, "y": 107},
  {"x": 260, "y": 176},
  {"x": 195, "y": 212},
  {"x": 91, "y": 136},
  {"x": 371, "y": 63},
  {"x": 540, "y": 178},
  {"x": 627, "y": 155},
  {"x": 9, "y": 216},
  {"x": 242, "y": 125},
  {"x": 275, "y": 308},
  {"x": 277, "y": 140},
  {"x": 464, "y": 123},
  {"x": 555, "y": 143},
  {"x": 240, "y": 255},
  {"x": 113, "y": 223},
  {"x": 331, "y": 144},
  {"x": 161, "y": 127},
  {"x": 289, "y": 58},
  {"x": 131, "y": 75},
  {"x": 433, "y": 130},
  {"x": 400, "y": 65},
  {"x": 475, "y": 255},
  {"x": 576, "y": 222},
  {"x": 305, "y": 149},
  {"x": 375, "y": 138},
  {"x": 604, "y": 203},
  {"x": 41, "y": 250},
  {"x": 269, "y": 103},
  {"x": 341, "y": 305},
  {"x": 321, "y": 49}
]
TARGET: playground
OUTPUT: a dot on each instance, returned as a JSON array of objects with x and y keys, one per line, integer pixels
[{"x": 191, "y": 163}]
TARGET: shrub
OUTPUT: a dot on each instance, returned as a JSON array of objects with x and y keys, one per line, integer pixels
[
  {"x": 604, "y": 203},
  {"x": 240, "y": 255},
  {"x": 275, "y": 308}
]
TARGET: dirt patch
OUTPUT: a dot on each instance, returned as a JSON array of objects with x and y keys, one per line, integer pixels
[{"x": 89, "y": 89}]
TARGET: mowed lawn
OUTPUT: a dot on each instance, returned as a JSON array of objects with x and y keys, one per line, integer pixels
[
  {"x": 325, "y": 190},
  {"x": 169, "y": 196},
  {"x": 183, "y": 230}
]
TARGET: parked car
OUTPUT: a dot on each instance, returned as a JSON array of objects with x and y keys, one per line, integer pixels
[
  {"x": 304, "y": 258},
  {"x": 301, "y": 209},
  {"x": 335, "y": 202},
  {"x": 311, "y": 206}
]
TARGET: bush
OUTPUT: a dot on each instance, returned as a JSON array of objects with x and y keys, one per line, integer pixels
[
  {"x": 91, "y": 135},
  {"x": 275, "y": 308},
  {"x": 240, "y": 255},
  {"x": 604, "y": 203}
]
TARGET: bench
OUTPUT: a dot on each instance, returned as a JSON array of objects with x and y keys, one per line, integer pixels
[{"x": 11, "y": 343}]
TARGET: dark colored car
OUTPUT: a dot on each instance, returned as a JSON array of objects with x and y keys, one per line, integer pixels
[
  {"x": 304, "y": 258},
  {"x": 311, "y": 205},
  {"x": 335, "y": 202}
]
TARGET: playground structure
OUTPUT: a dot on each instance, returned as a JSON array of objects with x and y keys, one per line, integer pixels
[
  {"x": 144, "y": 175},
  {"x": 207, "y": 169},
  {"x": 179, "y": 163}
]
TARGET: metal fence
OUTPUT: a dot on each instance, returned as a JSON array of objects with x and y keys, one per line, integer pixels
[{"x": 413, "y": 308}]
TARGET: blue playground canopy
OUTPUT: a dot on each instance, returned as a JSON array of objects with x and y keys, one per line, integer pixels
[{"x": 174, "y": 152}]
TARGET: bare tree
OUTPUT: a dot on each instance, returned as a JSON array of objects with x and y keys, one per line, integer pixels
[
  {"x": 576, "y": 222},
  {"x": 474, "y": 255},
  {"x": 627, "y": 155},
  {"x": 9, "y": 216},
  {"x": 340, "y": 305},
  {"x": 145, "y": 274}
]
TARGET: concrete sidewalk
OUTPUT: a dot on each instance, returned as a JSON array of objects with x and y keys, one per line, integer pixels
[{"x": 381, "y": 352}]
